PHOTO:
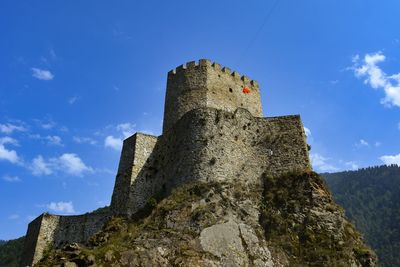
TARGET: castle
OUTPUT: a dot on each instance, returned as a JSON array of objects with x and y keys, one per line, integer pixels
[{"x": 213, "y": 130}]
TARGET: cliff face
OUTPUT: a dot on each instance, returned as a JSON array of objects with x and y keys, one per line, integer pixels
[{"x": 290, "y": 220}]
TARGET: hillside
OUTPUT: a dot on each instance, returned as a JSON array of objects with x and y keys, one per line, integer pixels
[
  {"x": 289, "y": 221},
  {"x": 10, "y": 252},
  {"x": 371, "y": 198}
]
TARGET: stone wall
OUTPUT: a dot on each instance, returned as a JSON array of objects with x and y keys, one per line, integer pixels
[
  {"x": 135, "y": 153},
  {"x": 55, "y": 231},
  {"x": 209, "y": 144},
  {"x": 33, "y": 247},
  {"x": 206, "y": 84}
]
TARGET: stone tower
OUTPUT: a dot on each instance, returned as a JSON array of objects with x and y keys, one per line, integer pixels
[
  {"x": 214, "y": 130},
  {"x": 205, "y": 84}
]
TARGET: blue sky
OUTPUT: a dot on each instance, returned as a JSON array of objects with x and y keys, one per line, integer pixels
[{"x": 78, "y": 77}]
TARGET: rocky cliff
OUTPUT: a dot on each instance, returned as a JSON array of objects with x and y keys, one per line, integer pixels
[{"x": 290, "y": 220}]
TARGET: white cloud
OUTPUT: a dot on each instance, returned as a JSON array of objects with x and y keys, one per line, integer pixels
[
  {"x": 54, "y": 140},
  {"x": 378, "y": 144},
  {"x": 8, "y": 140},
  {"x": 46, "y": 124},
  {"x": 61, "y": 207},
  {"x": 113, "y": 142},
  {"x": 68, "y": 163},
  {"x": 40, "y": 167},
  {"x": 127, "y": 129},
  {"x": 388, "y": 159},
  {"x": 11, "y": 179},
  {"x": 307, "y": 131},
  {"x": 40, "y": 74},
  {"x": 374, "y": 76},
  {"x": 363, "y": 143},
  {"x": 6, "y": 154},
  {"x": 9, "y": 128},
  {"x": 50, "y": 139},
  {"x": 320, "y": 163},
  {"x": 73, "y": 164},
  {"x": 84, "y": 140},
  {"x": 353, "y": 165}
]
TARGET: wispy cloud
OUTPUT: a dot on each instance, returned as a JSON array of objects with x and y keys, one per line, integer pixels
[
  {"x": 307, "y": 131},
  {"x": 11, "y": 179},
  {"x": 333, "y": 82},
  {"x": 352, "y": 164},
  {"x": 40, "y": 167},
  {"x": 49, "y": 139},
  {"x": 8, "y": 154},
  {"x": 373, "y": 75},
  {"x": 54, "y": 140},
  {"x": 61, "y": 207},
  {"x": 362, "y": 143},
  {"x": 46, "y": 123},
  {"x": 127, "y": 129},
  {"x": 73, "y": 164},
  {"x": 9, "y": 128},
  {"x": 124, "y": 130},
  {"x": 73, "y": 99},
  {"x": 68, "y": 163},
  {"x": 113, "y": 142},
  {"x": 321, "y": 163},
  {"x": 52, "y": 54},
  {"x": 391, "y": 159},
  {"x": 41, "y": 74},
  {"x": 13, "y": 217},
  {"x": 84, "y": 140}
]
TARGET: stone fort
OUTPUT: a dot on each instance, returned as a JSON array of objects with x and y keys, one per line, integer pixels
[{"x": 213, "y": 130}]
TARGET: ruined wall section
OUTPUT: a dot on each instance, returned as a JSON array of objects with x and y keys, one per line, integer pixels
[
  {"x": 209, "y": 144},
  {"x": 79, "y": 228},
  {"x": 135, "y": 153},
  {"x": 38, "y": 236},
  {"x": 206, "y": 84},
  {"x": 55, "y": 231}
]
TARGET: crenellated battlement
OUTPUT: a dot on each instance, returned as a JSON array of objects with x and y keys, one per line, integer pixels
[
  {"x": 205, "y": 83},
  {"x": 194, "y": 65}
]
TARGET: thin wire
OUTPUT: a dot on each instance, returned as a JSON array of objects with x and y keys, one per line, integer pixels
[{"x": 266, "y": 18}]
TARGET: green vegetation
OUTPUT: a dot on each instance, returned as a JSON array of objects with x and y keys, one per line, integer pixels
[
  {"x": 299, "y": 216},
  {"x": 371, "y": 198},
  {"x": 10, "y": 252}
]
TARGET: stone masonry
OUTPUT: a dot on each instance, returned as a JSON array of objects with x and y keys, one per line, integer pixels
[{"x": 213, "y": 130}]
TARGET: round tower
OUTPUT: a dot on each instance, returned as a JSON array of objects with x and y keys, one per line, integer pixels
[{"x": 206, "y": 84}]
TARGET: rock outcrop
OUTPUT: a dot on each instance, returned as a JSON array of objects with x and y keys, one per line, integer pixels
[{"x": 290, "y": 220}]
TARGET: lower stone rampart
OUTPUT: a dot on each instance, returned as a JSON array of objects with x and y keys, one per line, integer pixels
[
  {"x": 208, "y": 144},
  {"x": 55, "y": 231}
]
